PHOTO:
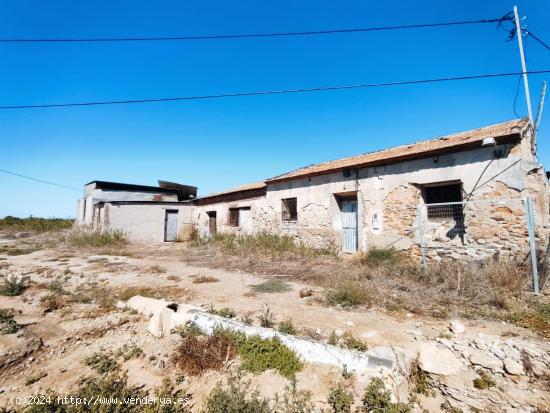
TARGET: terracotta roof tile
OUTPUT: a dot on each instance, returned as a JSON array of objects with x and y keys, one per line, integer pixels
[{"x": 449, "y": 143}]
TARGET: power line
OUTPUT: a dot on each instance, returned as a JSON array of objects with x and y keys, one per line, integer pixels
[
  {"x": 40, "y": 180},
  {"x": 270, "y": 92},
  {"x": 252, "y": 35},
  {"x": 542, "y": 42}
]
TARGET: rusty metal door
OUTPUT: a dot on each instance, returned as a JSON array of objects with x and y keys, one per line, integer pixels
[
  {"x": 171, "y": 225},
  {"x": 349, "y": 225},
  {"x": 212, "y": 224}
]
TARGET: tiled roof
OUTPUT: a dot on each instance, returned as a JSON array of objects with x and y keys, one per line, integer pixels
[{"x": 445, "y": 144}]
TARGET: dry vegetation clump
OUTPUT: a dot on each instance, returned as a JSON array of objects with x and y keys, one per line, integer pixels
[
  {"x": 202, "y": 279},
  {"x": 53, "y": 302},
  {"x": 171, "y": 293},
  {"x": 85, "y": 238},
  {"x": 32, "y": 224},
  {"x": 197, "y": 353},
  {"x": 13, "y": 286},
  {"x": 273, "y": 285},
  {"x": 263, "y": 243}
]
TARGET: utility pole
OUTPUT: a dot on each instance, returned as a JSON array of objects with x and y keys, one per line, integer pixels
[
  {"x": 541, "y": 105},
  {"x": 523, "y": 66}
]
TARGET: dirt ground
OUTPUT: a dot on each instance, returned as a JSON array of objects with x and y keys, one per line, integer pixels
[{"x": 51, "y": 345}]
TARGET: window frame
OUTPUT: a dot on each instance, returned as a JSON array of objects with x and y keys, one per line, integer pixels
[
  {"x": 233, "y": 218},
  {"x": 287, "y": 209},
  {"x": 441, "y": 213}
]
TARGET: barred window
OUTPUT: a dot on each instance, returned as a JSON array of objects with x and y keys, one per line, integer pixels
[
  {"x": 437, "y": 194},
  {"x": 290, "y": 209},
  {"x": 233, "y": 217}
]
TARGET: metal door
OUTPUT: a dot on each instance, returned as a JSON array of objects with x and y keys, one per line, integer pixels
[
  {"x": 212, "y": 224},
  {"x": 245, "y": 221},
  {"x": 349, "y": 225},
  {"x": 171, "y": 225}
]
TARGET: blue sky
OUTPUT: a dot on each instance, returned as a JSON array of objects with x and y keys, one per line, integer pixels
[{"x": 217, "y": 144}]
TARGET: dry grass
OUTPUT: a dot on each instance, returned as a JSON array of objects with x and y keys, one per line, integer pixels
[
  {"x": 202, "y": 279},
  {"x": 196, "y": 354},
  {"x": 82, "y": 238},
  {"x": 53, "y": 302},
  {"x": 389, "y": 279}
]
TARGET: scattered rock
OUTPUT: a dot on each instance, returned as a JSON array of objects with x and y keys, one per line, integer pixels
[
  {"x": 486, "y": 360},
  {"x": 513, "y": 367},
  {"x": 436, "y": 359},
  {"x": 457, "y": 327}
]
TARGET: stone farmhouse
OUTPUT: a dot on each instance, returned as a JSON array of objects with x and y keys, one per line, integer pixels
[{"x": 373, "y": 199}]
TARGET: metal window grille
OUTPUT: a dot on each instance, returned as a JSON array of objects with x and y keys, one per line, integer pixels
[{"x": 290, "y": 209}]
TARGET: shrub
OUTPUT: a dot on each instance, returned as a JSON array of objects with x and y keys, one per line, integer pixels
[
  {"x": 102, "y": 362},
  {"x": 129, "y": 351},
  {"x": 377, "y": 399},
  {"x": 53, "y": 302},
  {"x": 484, "y": 381},
  {"x": 196, "y": 354},
  {"x": 293, "y": 401},
  {"x": 247, "y": 318},
  {"x": 271, "y": 286},
  {"x": 201, "y": 279},
  {"x": 349, "y": 341},
  {"x": 340, "y": 399},
  {"x": 378, "y": 256},
  {"x": 8, "y": 325},
  {"x": 223, "y": 312},
  {"x": 259, "y": 354},
  {"x": 287, "y": 327},
  {"x": 419, "y": 380},
  {"x": 13, "y": 286},
  {"x": 333, "y": 338},
  {"x": 35, "y": 378},
  {"x": 94, "y": 238},
  {"x": 56, "y": 286},
  {"x": 348, "y": 294},
  {"x": 156, "y": 269},
  {"x": 188, "y": 329},
  {"x": 236, "y": 397},
  {"x": 306, "y": 292},
  {"x": 35, "y": 224},
  {"x": 266, "y": 317}
]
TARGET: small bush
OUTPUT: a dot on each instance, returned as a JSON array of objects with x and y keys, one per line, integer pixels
[
  {"x": 223, "y": 312},
  {"x": 377, "y": 399},
  {"x": 53, "y": 302},
  {"x": 13, "y": 251},
  {"x": 306, "y": 292},
  {"x": 188, "y": 329},
  {"x": 287, "y": 327},
  {"x": 348, "y": 294},
  {"x": 333, "y": 338},
  {"x": 259, "y": 354},
  {"x": 340, "y": 399},
  {"x": 419, "y": 380},
  {"x": 236, "y": 397},
  {"x": 80, "y": 238},
  {"x": 293, "y": 401},
  {"x": 247, "y": 318},
  {"x": 271, "y": 286},
  {"x": 196, "y": 354},
  {"x": 8, "y": 325},
  {"x": 35, "y": 378},
  {"x": 266, "y": 317},
  {"x": 202, "y": 279},
  {"x": 349, "y": 341},
  {"x": 56, "y": 286},
  {"x": 129, "y": 351},
  {"x": 484, "y": 381},
  {"x": 102, "y": 362},
  {"x": 378, "y": 256},
  {"x": 157, "y": 269},
  {"x": 13, "y": 286}
]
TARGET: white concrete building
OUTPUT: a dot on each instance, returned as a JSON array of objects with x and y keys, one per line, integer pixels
[{"x": 373, "y": 199}]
